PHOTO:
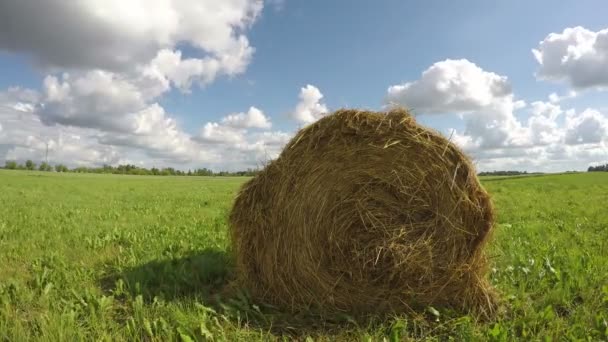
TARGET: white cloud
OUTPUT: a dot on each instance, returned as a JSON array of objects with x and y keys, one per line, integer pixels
[
  {"x": 213, "y": 132},
  {"x": 577, "y": 56},
  {"x": 115, "y": 34},
  {"x": 95, "y": 99},
  {"x": 15, "y": 95},
  {"x": 245, "y": 147},
  {"x": 555, "y": 98},
  {"x": 109, "y": 63},
  {"x": 309, "y": 108},
  {"x": 451, "y": 86},
  {"x": 493, "y": 134},
  {"x": 542, "y": 125},
  {"x": 275, "y": 139},
  {"x": 581, "y": 140},
  {"x": 153, "y": 138},
  {"x": 254, "y": 118},
  {"x": 552, "y": 158},
  {"x": 183, "y": 72},
  {"x": 144, "y": 134},
  {"x": 587, "y": 127},
  {"x": 24, "y": 136},
  {"x": 459, "y": 86}
]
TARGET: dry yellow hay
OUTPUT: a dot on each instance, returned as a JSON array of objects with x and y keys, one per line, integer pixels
[{"x": 365, "y": 213}]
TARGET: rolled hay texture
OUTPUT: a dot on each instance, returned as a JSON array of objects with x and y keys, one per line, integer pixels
[{"x": 365, "y": 213}]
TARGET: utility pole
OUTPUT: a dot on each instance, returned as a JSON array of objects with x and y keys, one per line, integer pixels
[{"x": 46, "y": 155}]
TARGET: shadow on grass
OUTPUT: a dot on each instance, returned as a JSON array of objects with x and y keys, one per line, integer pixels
[
  {"x": 207, "y": 277},
  {"x": 198, "y": 275}
]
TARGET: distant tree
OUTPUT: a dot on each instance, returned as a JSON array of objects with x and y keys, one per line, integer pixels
[
  {"x": 135, "y": 170},
  {"x": 30, "y": 165},
  {"x": 203, "y": 172},
  {"x": 598, "y": 168},
  {"x": 107, "y": 169},
  {"x": 503, "y": 173},
  {"x": 167, "y": 171},
  {"x": 44, "y": 166},
  {"x": 10, "y": 164},
  {"x": 61, "y": 168}
]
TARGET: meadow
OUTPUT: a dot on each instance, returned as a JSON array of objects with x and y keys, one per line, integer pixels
[{"x": 111, "y": 258}]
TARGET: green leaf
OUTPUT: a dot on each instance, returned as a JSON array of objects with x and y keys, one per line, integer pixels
[
  {"x": 205, "y": 332},
  {"x": 184, "y": 336},
  {"x": 148, "y": 327},
  {"x": 495, "y": 331}
]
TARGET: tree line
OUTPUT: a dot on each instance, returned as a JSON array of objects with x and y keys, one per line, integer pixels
[
  {"x": 599, "y": 168},
  {"x": 126, "y": 169},
  {"x": 502, "y": 173}
]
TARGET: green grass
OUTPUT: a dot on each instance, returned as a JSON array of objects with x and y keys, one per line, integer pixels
[{"x": 102, "y": 257}]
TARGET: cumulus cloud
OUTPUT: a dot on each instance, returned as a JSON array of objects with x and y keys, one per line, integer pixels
[
  {"x": 577, "y": 56},
  {"x": 109, "y": 64},
  {"x": 115, "y": 35},
  {"x": 556, "y": 157},
  {"x": 309, "y": 108},
  {"x": 253, "y": 118},
  {"x": 542, "y": 124},
  {"x": 153, "y": 135},
  {"x": 183, "y": 72},
  {"x": 587, "y": 127},
  {"x": 153, "y": 139},
  {"x": 547, "y": 145},
  {"x": 451, "y": 86},
  {"x": 492, "y": 133},
  {"x": 24, "y": 136},
  {"x": 244, "y": 137},
  {"x": 213, "y": 132},
  {"x": 233, "y": 129},
  {"x": 555, "y": 98},
  {"x": 460, "y": 86},
  {"x": 96, "y": 99},
  {"x": 12, "y": 96}
]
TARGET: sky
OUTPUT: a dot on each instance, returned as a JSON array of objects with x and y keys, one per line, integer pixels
[{"x": 518, "y": 85}]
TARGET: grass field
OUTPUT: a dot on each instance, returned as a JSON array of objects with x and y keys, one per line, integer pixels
[{"x": 102, "y": 257}]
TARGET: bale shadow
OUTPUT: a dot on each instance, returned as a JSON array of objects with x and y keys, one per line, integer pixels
[
  {"x": 208, "y": 277},
  {"x": 199, "y": 275}
]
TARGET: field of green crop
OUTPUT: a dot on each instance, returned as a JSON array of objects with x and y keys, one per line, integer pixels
[{"x": 110, "y": 258}]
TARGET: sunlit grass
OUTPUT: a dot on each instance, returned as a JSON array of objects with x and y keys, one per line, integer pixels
[{"x": 102, "y": 257}]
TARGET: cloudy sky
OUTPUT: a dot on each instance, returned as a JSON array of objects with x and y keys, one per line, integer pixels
[{"x": 520, "y": 85}]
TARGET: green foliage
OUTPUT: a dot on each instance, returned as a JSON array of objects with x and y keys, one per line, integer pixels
[
  {"x": 110, "y": 258},
  {"x": 61, "y": 168},
  {"x": 30, "y": 165},
  {"x": 10, "y": 165},
  {"x": 503, "y": 173},
  {"x": 44, "y": 166},
  {"x": 598, "y": 168},
  {"x": 128, "y": 169}
]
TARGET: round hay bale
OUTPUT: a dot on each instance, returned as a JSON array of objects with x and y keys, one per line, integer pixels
[{"x": 365, "y": 213}]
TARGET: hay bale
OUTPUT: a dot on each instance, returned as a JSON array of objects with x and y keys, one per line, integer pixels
[{"x": 365, "y": 213}]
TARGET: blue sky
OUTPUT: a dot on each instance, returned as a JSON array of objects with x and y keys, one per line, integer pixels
[
  {"x": 242, "y": 53},
  {"x": 352, "y": 50}
]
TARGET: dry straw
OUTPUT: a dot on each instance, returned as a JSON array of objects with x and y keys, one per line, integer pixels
[{"x": 365, "y": 213}]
